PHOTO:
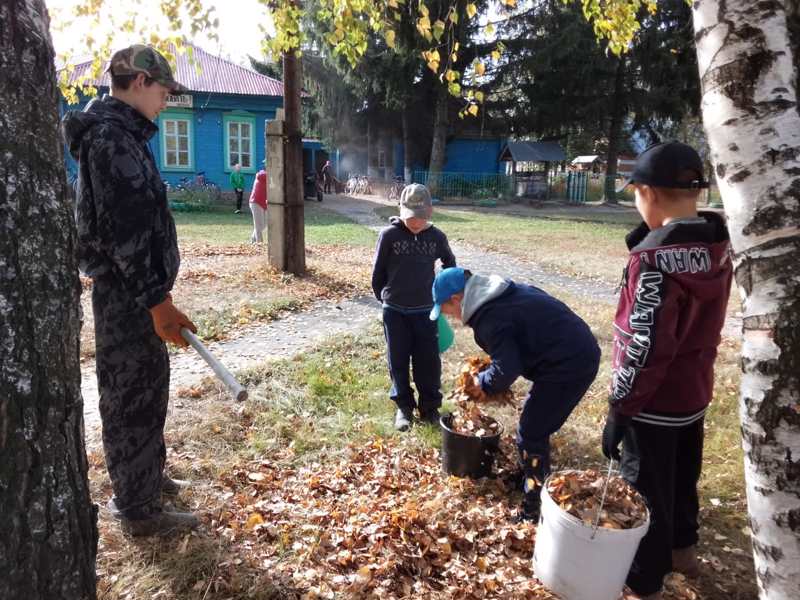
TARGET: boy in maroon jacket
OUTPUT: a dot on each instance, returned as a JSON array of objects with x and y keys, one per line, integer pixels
[{"x": 666, "y": 331}]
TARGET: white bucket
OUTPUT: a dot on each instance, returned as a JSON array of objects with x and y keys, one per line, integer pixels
[{"x": 573, "y": 565}]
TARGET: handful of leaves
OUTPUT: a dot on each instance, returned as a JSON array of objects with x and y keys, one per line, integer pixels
[
  {"x": 580, "y": 494},
  {"x": 468, "y": 389},
  {"x": 469, "y": 418}
]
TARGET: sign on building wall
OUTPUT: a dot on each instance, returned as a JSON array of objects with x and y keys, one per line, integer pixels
[{"x": 180, "y": 101}]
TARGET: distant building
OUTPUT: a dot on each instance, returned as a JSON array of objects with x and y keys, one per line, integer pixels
[
  {"x": 219, "y": 123},
  {"x": 588, "y": 162}
]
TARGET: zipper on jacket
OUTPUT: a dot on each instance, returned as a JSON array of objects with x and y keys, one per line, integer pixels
[{"x": 623, "y": 282}]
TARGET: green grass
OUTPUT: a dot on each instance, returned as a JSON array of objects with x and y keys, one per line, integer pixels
[
  {"x": 324, "y": 400},
  {"x": 323, "y": 226}
]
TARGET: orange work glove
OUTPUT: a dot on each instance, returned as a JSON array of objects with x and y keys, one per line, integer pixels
[{"x": 168, "y": 320}]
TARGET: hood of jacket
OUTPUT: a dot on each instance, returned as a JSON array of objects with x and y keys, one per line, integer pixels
[
  {"x": 106, "y": 110},
  {"x": 693, "y": 251},
  {"x": 398, "y": 222},
  {"x": 479, "y": 290}
]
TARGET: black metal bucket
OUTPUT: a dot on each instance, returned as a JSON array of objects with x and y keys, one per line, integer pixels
[{"x": 467, "y": 455}]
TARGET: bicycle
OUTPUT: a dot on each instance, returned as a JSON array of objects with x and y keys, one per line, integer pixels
[{"x": 395, "y": 189}]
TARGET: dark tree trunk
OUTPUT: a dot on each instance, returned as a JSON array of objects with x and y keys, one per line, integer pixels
[
  {"x": 439, "y": 145},
  {"x": 615, "y": 134},
  {"x": 48, "y": 531},
  {"x": 407, "y": 150}
]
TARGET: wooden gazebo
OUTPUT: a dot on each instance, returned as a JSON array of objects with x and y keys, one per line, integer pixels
[{"x": 530, "y": 164}]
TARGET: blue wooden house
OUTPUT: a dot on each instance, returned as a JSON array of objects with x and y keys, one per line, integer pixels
[{"x": 219, "y": 123}]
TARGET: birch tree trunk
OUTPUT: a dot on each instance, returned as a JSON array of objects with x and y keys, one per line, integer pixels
[
  {"x": 747, "y": 55},
  {"x": 48, "y": 533}
]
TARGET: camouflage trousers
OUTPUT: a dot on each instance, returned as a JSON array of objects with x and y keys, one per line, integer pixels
[{"x": 133, "y": 380}]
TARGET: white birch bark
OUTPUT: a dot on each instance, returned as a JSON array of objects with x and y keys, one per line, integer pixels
[{"x": 748, "y": 68}]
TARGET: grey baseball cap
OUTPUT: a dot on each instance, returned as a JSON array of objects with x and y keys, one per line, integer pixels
[{"x": 415, "y": 201}]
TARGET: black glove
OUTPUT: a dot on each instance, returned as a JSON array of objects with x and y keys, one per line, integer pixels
[{"x": 613, "y": 433}]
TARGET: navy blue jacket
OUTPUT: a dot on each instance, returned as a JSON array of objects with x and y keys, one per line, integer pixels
[
  {"x": 528, "y": 332},
  {"x": 403, "y": 272}
]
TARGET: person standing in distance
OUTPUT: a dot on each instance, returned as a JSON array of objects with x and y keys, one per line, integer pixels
[{"x": 128, "y": 245}]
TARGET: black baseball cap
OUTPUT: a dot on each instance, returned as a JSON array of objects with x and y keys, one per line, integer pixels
[{"x": 665, "y": 165}]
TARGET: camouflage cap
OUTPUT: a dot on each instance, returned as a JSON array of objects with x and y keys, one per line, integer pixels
[{"x": 145, "y": 59}]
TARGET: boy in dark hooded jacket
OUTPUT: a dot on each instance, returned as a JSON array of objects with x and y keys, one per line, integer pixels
[
  {"x": 128, "y": 245},
  {"x": 402, "y": 275},
  {"x": 527, "y": 333},
  {"x": 666, "y": 331}
]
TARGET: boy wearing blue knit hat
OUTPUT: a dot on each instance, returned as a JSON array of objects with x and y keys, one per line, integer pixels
[{"x": 527, "y": 333}]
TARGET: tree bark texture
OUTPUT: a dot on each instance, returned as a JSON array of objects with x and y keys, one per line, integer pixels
[
  {"x": 748, "y": 69},
  {"x": 615, "y": 133},
  {"x": 408, "y": 156},
  {"x": 439, "y": 145},
  {"x": 48, "y": 532},
  {"x": 294, "y": 226}
]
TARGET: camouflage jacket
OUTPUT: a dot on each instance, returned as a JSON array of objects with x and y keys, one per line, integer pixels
[{"x": 125, "y": 228}]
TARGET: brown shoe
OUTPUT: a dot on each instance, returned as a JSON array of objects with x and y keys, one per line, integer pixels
[
  {"x": 684, "y": 561},
  {"x": 163, "y": 523}
]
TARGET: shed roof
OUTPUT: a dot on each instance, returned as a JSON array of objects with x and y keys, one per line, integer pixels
[
  {"x": 585, "y": 159},
  {"x": 216, "y": 75},
  {"x": 533, "y": 152}
]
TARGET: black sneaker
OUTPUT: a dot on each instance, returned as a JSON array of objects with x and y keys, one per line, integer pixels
[
  {"x": 402, "y": 420},
  {"x": 237, "y": 212},
  {"x": 532, "y": 504},
  {"x": 431, "y": 417}
]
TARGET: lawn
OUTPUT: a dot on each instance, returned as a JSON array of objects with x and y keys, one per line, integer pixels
[{"x": 223, "y": 228}]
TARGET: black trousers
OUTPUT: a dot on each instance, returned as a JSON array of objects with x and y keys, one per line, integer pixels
[
  {"x": 413, "y": 338},
  {"x": 132, "y": 367},
  {"x": 328, "y": 182},
  {"x": 239, "y": 194},
  {"x": 664, "y": 464}
]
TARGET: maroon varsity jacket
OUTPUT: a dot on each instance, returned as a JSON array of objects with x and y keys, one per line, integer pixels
[{"x": 667, "y": 328}]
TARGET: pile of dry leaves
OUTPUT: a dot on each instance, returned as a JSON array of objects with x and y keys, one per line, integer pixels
[
  {"x": 469, "y": 417},
  {"x": 381, "y": 524},
  {"x": 580, "y": 494}
]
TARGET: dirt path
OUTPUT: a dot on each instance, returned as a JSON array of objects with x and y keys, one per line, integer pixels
[{"x": 362, "y": 210}]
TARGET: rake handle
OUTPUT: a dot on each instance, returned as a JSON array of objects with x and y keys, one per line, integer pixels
[{"x": 234, "y": 387}]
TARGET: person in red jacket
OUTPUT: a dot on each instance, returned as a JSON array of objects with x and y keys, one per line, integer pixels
[
  {"x": 666, "y": 332},
  {"x": 258, "y": 206}
]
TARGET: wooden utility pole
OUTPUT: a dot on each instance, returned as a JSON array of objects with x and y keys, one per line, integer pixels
[{"x": 285, "y": 234}]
